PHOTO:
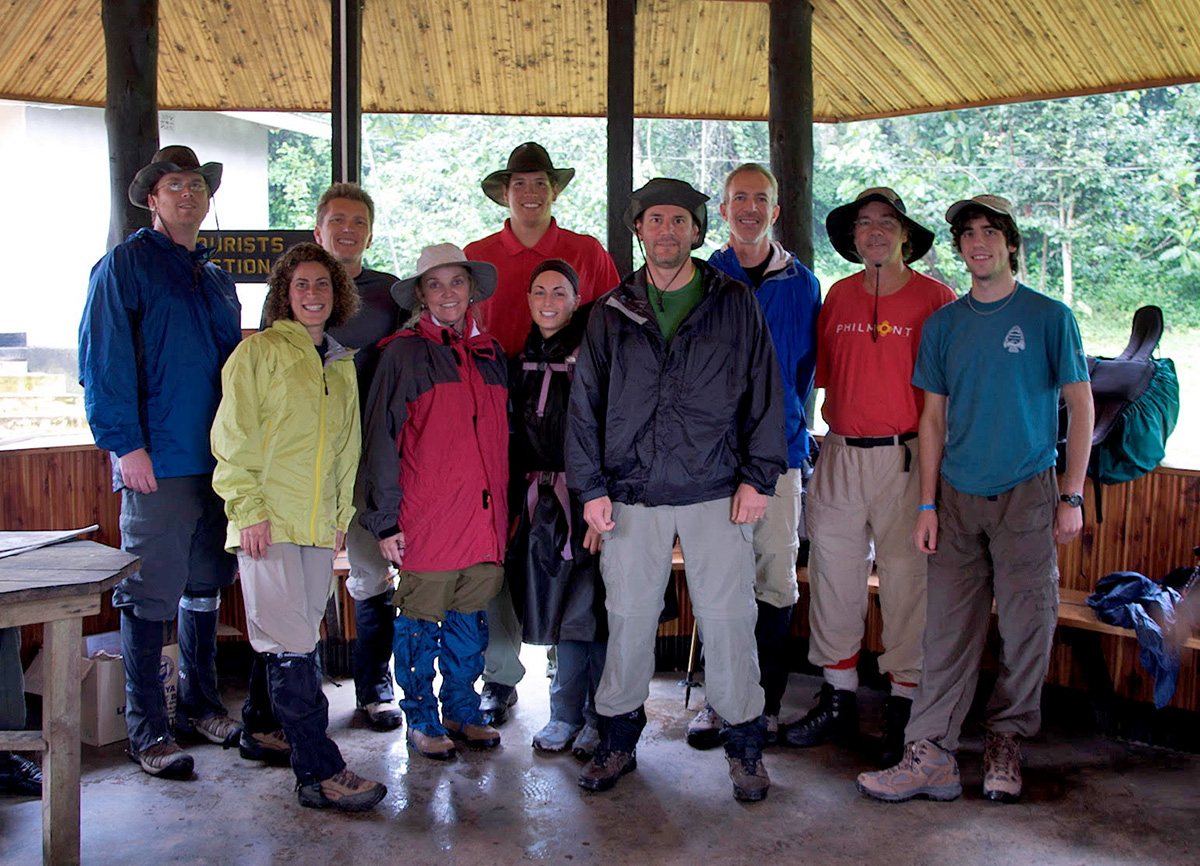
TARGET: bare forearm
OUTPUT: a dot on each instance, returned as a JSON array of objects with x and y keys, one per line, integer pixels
[
  {"x": 1080, "y": 421},
  {"x": 931, "y": 444}
]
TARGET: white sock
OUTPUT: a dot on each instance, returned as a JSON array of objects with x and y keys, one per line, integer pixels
[
  {"x": 842, "y": 679},
  {"x": 904, "y": 690}
]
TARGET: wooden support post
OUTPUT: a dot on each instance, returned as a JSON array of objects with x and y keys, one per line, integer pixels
[
  {"x": 60, "y": 727},
  {"x": 130, "y": 104},
  {"x": 790, "y": 122},
  {"x": 621, "y": 15},
  {"x": 346, "y": 95}
]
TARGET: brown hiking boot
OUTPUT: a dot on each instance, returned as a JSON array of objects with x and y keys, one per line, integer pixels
[
  {"x": 750, "y": 780},
  {"x": 1001, "y": 768},
  {"x": 164, "y": 759},
  {"x": 704, "y": 731},
  {"x": 219, "y": 729},
  {"x": 271, "y": 747},
  {"x": 344, "y": 791},
  {"x": 436, "y": 748},
  {"x": 605, "y": 767},
  {"x": 475, "y": 736},
  {"x": 927, "y": 770}
]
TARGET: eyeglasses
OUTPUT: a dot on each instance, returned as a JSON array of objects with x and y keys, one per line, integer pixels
[
  {"x": 196, "y": 186},
  {"x": 887, "y": 224}
]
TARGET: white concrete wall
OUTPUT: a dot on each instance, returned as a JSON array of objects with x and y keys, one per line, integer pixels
[{"x": 54, "y": 218}]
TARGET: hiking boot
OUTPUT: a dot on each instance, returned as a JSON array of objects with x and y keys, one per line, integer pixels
[
  {"x": 437, "y": 747},
  {"x": 586, "y": 742},
  {"x": 271, "y": 747},
  {"x": 19, "y": 776},
  {"x": 750, "y": 780},
  {"x": 835, "y": 717},
  {"x": 1001, "y": 768},
  {"x": 772, "y": 735},
  {"x": 926, "y": 770},
  {"x": 381, "y": 717},
  {"x": 556, "y": 736},
  {"x": 344, "y": 791},
  {"x": 475, "y": 736},
  {"x": 605, "y": 768},
  {"x": 896, "y": 711},
  {"x": 494, "y": 701},
  {"x": 164, "y": 759},
  {"x": 704, "y": 731},
  {"x": 219, "y": 729}
]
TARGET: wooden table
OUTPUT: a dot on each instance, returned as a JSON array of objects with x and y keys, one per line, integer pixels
[{"x": 58, "y": 586}]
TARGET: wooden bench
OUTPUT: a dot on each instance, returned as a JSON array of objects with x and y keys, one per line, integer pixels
[{"x": 1073, "y": 611}]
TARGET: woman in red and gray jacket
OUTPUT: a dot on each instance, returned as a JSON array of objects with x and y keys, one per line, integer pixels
[{"x": 434, "y": 475}]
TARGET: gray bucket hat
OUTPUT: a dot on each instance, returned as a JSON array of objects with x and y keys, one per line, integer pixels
[
  {"x": 840, "y": 225},
  {"x": 174, "y": 157},
  {"x": 437, "y": 256},
  {"x": 666, "y": 190},
  {"x": 529, "y": 156}
]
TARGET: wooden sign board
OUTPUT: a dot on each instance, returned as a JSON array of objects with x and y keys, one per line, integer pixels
[{"x": 247, "y": 255}]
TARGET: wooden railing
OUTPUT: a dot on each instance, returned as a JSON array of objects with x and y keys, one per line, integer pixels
[{"x": 1150, "y": 525}]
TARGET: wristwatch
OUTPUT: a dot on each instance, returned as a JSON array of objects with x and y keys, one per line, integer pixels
[{"x": 1075, "y": 500}]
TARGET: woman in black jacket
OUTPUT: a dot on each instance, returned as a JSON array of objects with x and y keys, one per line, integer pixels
[{"x": 552, "y": 570}]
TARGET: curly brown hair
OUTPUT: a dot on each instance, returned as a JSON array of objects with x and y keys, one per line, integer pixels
[{"x": 278, "y": 306}]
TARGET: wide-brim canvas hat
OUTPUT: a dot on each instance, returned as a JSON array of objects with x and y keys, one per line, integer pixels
[
  {"x": 529, "y": 156},
  {"x": 175, "y": 157},
  {"x": 437, "y": 256},
  {"x": 996, "y": 204},
  {"x": 840, "y": 225},
  {"x": 666, "y": 190}
]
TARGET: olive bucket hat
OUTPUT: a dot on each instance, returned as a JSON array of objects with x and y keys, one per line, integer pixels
[
  {"x": 665, "y": 190},
  {"x": 175, "y": 157},
  {"x": 840, "y": 225}
]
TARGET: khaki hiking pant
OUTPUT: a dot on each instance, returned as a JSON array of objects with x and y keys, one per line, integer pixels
[
  {"x": 998, "y": 547},
  {"x": 862, "y": 508}
]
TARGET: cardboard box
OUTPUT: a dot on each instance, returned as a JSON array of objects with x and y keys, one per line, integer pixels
[{"x": 102, "y": 695}]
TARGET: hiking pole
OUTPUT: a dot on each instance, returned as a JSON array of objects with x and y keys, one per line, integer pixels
[{"x": 687, "y": 682}]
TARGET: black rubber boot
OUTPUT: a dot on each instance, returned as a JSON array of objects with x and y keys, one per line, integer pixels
[
  {"x": 896, "y": 711},
  {"x": 770, "y": 633},
  {"x": 835, "y": 717}
]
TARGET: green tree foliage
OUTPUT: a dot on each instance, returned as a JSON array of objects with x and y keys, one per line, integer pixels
[
  {"x": 1107, "y": 187},
  {"x": 298, "y": 171}
]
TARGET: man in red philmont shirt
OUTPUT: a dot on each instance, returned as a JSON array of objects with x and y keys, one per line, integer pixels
[
  {"x": 863, "y": 496},
  {"x": 528, "y": 186}
]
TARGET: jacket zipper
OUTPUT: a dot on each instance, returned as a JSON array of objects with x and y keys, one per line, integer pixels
[{"x": 312, "y": 528}]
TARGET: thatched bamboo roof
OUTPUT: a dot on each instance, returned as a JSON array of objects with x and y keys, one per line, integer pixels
[{"x": 696, "y": 58}]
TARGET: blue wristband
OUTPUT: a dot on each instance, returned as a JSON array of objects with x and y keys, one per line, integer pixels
[{"x": 926, "y": 508}]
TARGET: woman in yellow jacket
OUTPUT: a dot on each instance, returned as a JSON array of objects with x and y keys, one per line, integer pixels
[{"x": 286, "y": 439}]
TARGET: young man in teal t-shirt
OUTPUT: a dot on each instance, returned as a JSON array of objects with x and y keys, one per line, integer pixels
[{"x": 992, "y": 366}]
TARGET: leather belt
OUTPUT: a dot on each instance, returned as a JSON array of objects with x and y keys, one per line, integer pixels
[{"x": 879, "y": 441}]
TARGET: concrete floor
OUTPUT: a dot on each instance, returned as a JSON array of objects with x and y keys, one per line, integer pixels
[{"x": 1087, "y": 801}]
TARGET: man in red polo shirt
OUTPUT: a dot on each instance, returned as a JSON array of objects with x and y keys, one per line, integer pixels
[{"x": 528, "y": 187}]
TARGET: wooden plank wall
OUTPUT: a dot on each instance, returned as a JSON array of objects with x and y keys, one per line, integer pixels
[
  {"x": 1150, "y": 525},
  {"x": 67, "y": 488}
]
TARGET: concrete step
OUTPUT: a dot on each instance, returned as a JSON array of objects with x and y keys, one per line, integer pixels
[
  {"x": 41, "y": 404},
  {"x": 43, "y": 422},
  {"x": 32, "y": 383}
]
